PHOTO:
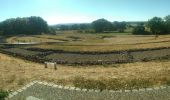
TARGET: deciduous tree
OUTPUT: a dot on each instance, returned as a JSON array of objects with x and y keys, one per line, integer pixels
[{"x": 101, "y": 25}]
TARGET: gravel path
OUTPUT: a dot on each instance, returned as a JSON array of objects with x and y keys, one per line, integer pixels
[{"x": 46, "y": 92}]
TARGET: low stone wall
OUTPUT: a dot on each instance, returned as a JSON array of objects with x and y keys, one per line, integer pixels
[
  {"x": 88, "y": 58},
  {"x": 110, "y": 58}
]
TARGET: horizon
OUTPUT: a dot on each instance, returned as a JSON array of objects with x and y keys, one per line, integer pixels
[
  {"x": 75, "y": 22},
  {"x": 85, "y": 11}
]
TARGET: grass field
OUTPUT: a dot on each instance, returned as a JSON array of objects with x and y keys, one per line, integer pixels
[
  {"x": 94, "y": 42},
  {"x": 16, "y": 72}
]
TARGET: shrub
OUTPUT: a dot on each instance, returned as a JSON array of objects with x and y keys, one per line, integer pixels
[
  {"x": 168, "y": 82},
  {"x": 110, "y": 83},
  {"x": 137, "y": 83},
  {"x": 88, "y": 83},
  {"x": 21, "y": 81},
  {"x": 11, "y": 79},
  {"x": 114, "y": 84},
  {"x": 3, "y": 94},
  {"x": 140, "y": 30}
]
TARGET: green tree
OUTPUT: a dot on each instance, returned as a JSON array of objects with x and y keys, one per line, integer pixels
[
  {"x": 101, "y": 25},
  {"x": 156, "y": 25},
  {"x": 83, "y": 26},
  {"x": 27, "y": 25},
  {"x": 37, "y": 25},
  {"x": 1, "y": 30},
  {"x": 122, "y": 26},
  {"x": 119, "y": 26},
  {"x": 64, "y": 27},
  {"x": 75, "y": 27},
  {"x": 140, "y": 30},
  {"x": 167, "y": 23}
]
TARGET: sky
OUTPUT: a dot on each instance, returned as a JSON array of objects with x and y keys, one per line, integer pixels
[{"x": 84, "y": 11}]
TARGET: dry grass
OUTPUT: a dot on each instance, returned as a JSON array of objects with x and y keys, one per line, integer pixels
[
  {"x": 26, "y": 39},
  {"x": 101, "y": 48},
  {"x": 104, "y": 38},
  {"x": 16, "y": 72},
  {"x": 117, "y": 42},
  {"x": 97, "y": 42}
]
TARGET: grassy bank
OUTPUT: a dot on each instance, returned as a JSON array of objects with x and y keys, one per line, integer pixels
[{"x": 15, "y": 73}]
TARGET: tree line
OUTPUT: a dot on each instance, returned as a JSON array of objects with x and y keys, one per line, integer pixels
[
  {"x": 36, "y": 25},
  {"x": 156, "y": 25},
  {"x": 98, "y": 26},
  {"x": 103, "y": 25},
  {"x": 26, "y": 25}
]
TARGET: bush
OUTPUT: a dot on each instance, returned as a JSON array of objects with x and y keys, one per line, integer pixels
[
  {"x": 111, "y": 83},
  {"x": 21, "y": 81},
  {"x": 168, "y": 82},
  {"x": 90, "y": 31},
  {"x": 140, "y": 30},
  {"x": 3, "y": 94},
  {"x": 138, "y": 83},
  {"x": 88, "y": 83}
]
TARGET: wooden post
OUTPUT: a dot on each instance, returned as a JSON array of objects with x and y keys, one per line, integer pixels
[
  {"x": 55, "y": 66},
  {"x": 45, "y": 64}
]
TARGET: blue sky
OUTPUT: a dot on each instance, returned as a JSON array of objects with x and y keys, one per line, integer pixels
[{"x": 80, "y": 11}]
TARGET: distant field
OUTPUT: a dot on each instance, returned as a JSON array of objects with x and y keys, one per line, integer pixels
[
  {"x": 89, "y": 49},
  {"x": 16, "y": 72},
  {"x": 93, "y": 42}
]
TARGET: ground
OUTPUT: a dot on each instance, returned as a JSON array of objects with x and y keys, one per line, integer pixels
[
  {"x": 102, "y": 42},
  {"x": 17, "y": 72}
]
